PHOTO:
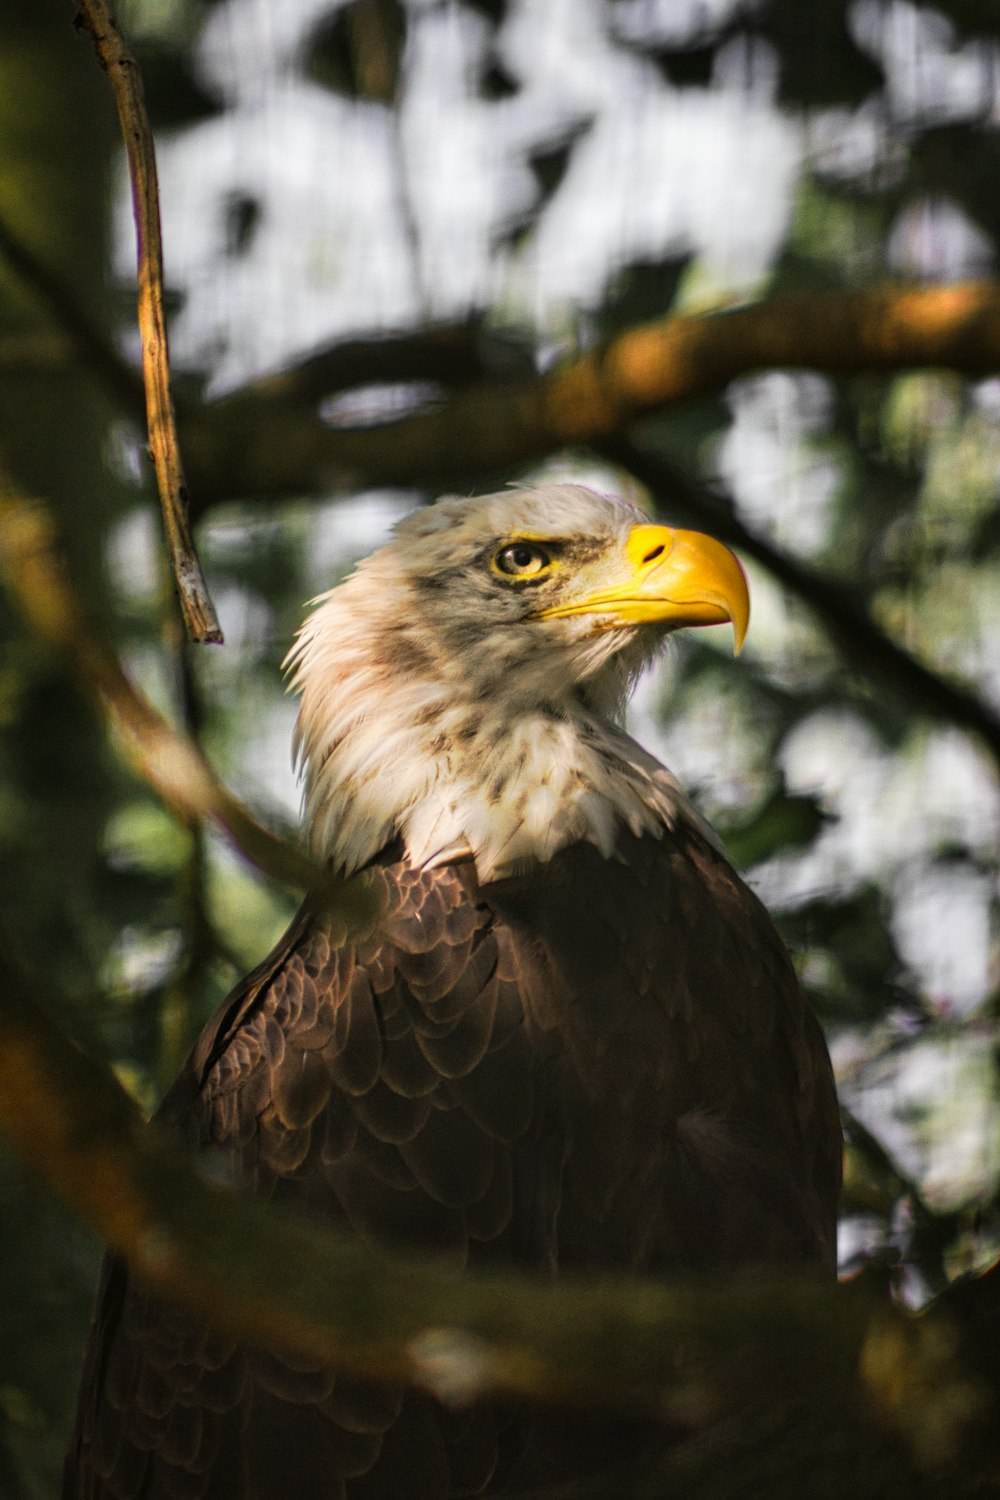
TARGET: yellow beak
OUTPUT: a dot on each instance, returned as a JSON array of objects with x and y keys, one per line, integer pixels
[{"x": 677, "y": 577}]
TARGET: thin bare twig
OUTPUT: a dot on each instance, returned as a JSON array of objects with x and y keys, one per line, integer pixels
[
  {"x": 199, "y": 942},
  {"x": 377, "y": 40},
  {"x": 126, "y": 81}
]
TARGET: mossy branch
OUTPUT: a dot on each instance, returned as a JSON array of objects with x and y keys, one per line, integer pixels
[
  {"x": 33, "y": 568},
  {"x": 243, "y": 448},
  {"x": 690, "y": 1353}
]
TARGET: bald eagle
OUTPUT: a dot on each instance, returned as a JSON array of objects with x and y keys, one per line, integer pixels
[{"x": 572, "y": 1038}]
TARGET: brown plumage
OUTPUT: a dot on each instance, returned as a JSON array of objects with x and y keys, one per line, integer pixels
[{"x": 602, "y": 1061}]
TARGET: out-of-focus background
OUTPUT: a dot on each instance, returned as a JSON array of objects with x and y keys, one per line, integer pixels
[{"x": 541, "y": 174}]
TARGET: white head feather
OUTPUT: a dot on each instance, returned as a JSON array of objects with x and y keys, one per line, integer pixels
[{"x": 436, "y": 710}]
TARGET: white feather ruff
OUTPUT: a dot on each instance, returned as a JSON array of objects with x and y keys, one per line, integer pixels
[{"x": 505, "y": 751}]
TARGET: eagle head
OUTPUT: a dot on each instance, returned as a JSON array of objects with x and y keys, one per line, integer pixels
[{"x": 462, "y": 690}]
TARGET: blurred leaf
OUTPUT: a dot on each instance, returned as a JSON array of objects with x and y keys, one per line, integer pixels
[
  {"x": 870, "y": 1185},
  {"x": 495, "y": 11},
  {"x": 960, "y": 162},
  {"x": 640, "y": 292},
  {"x": 136, "y": 895},
  {"x": 686, "y": 436},
  {"x": 549, "y": 162},
  {"x": 175, "y": 95},
  {"x": 358, "y": 50},
  {"x": 837, "y": 237},
  {"x": 684, "y": 61},
  {"x": 242, "y": 216},
  {"x": 686, "y": 66},
  {"x": 891, "y": 719},
  {"x": 859, "y": 973},
  {"x": 142, "y": 836},
  {"x": 972, "y": 18},
  {"x": 496, "y": 81},
  {"x": 986, "y": 538},
  {"x": 785, "y": 822},
  {"x": 820, "y": 64},
  {"x": 252, "y": 915}
]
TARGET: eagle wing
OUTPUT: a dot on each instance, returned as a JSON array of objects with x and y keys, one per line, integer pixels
[
  {"x": 604, "y": 1063},
  {"x": 338, "y": 1078}
]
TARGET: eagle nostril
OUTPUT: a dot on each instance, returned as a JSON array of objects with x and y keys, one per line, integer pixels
[{"x": 653, "y": 553}]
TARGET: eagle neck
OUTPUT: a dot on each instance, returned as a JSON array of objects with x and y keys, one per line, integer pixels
[{"x": 391, "y": 750}]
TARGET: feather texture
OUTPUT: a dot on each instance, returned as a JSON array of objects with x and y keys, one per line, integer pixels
[
  {"x": 494, "y": 1083},
  {"x": 435, "y": 710},
  {"x": 572, "y": 1040}
]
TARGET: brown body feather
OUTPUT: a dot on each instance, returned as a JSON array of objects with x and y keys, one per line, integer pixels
[{"x": 605, "y": 1063}]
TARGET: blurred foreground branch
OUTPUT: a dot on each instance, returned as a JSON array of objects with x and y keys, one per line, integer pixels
[
  {"x": 83, "y": 334},
  {"x": 242, "y": 447},
  {"x": 200, "y": 942},
  {"x": 689, "y": 1354},
  {"x": 126, "y": 81},
  {"x": 447, "y": 354},
  {"x": 34, "y": 572}
]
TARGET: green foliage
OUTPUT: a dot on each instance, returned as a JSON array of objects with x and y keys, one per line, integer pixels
[
  {"x": 357, "y": 50},
  {"x": 47, "y": 1274},
  {"x": 820, "y": 62},
  {"x": 782, "y": 822},
  {"x": 887, "y": 485}
]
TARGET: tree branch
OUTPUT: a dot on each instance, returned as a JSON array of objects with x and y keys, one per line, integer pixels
[
  {"x": 448, "y": 354},
  {"x": 686, "y": 1353},
  {"x": 126, "y": 81},
  {"x": 862, "y": 642},
  {"x": 33, "y": 569},
  {"x": 483, "y": 432},
  {"x": 663, "y": 362}
]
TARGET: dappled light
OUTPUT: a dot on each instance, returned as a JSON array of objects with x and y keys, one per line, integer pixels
[{"x": 737, "y": 264}]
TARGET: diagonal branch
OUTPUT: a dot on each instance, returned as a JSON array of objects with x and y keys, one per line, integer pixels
[
  {"x": 863, "y": 643},
  {"x": 33, "y": 570},
  {"x": 123, "y": 71},
  {"x": 98, "y": 352}
]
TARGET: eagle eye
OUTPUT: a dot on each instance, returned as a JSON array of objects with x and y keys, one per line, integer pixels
[{"x": 522, "y": 560}]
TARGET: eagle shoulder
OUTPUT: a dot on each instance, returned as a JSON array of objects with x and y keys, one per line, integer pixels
[{"x": 696, "y": 1097}]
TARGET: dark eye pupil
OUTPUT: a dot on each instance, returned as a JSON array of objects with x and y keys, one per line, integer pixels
[{"x": 521, "y": 559}]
